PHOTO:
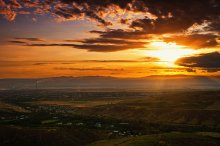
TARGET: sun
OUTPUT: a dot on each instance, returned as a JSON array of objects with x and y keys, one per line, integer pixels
[{"x": 169, "y": 52}]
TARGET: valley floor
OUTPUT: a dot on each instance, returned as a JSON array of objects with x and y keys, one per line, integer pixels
[{"x": 68, "y": 117}]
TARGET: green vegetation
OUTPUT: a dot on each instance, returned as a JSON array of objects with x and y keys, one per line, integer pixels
[
  {"x": 165, "y": 139},
  {"x": 172, "y": 117}
]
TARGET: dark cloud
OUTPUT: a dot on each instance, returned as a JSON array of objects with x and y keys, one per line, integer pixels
[
  {"x": 99, "y": 47},
  {"x": 29, "y": 39},
  {"x": 197, "y": 41},
  {"x": 182, "y": 12},
  {"x": 110, "y": 48},
  {"x": 75, "y": 11},
  {"x": 162, "y": 25},
  {"x": 190, "y": 70},
  {"x": 209, "y": 61},
  {"x": 215, "y": 25},
  {"x": 17, "y": 42},
  {"x": 42, "y": 63},
  {"x": 25, "y": 41},
  {"x": 105, "y": 43},
  {"x": 122, "y": 34},
  {"x": 46, "y": 45},
  {"x": 109, "y": 44},
  {"x": 169, "y": 17}
]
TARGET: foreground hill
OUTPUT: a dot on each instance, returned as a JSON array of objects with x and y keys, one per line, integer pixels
[
  {"x": 93, "y": 82},
  {"x": 166, "y": 139},
  {"x": 20, "y": 136},
  {"x": 70, "y": 117}
]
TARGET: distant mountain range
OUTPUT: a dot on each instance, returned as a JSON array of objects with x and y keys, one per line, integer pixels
[{"x": 95, "y": 82}]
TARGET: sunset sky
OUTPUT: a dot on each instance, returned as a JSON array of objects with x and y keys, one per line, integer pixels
[{"x": 119, "y": 38}]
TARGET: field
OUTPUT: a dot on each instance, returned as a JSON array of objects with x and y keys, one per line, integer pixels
[
  {"x": 165, "y": 139},
  {"x": 70, "y": 117}
]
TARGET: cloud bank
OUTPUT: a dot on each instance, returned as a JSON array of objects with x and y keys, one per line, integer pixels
[
  {"x": 208, "y": 61},
  {"x": 158, "y": 18}
]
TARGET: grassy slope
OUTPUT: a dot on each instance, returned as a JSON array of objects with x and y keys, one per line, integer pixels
[
  {"x": 193, "y": 108},
  {"x": 166, "y": 139},
  {"x": 20, "y": 136}
]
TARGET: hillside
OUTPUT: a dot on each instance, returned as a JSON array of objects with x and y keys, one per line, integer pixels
[
  {"x": 166, "y": 139},
  {"x": 93, "y": 82}
]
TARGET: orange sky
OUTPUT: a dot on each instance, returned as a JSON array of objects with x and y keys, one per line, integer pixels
[{"x": 124, "y": 39}]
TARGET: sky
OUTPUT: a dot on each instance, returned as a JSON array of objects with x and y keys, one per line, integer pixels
[{"x": 119, "y": 38}]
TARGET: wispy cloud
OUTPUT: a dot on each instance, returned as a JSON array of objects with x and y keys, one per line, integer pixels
[{"x": 88, "y": 69}]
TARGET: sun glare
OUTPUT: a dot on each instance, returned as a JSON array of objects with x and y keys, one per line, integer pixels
[{"x": 169, "y": 52}]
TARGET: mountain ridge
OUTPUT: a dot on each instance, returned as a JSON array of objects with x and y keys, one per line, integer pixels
[{"x": 161, "y": 81}]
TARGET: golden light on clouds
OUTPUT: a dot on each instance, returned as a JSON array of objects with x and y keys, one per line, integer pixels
[
  {"x": 131, "y": 38},
  {"x": 169, "y": 52}
]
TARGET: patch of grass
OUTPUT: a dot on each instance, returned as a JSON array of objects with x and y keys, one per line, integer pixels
[
  {"x": 48, "y": 121},
  {"x": 11, "y": 107},
  {"x": 166, "y": 139}
]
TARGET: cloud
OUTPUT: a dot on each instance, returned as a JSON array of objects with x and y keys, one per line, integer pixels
[
  {"x": 73, "y": 62},
  {"x": 109, "y": 44},
  {"x": 197, "y": 41},
  {"x": 104, "y": 41},
  {"x": 17, "y": 42},
  {"x": 121, "y": 34},
  {"x": 8, "y": 9},
  {"x": 151, "y": 59},
  {"x": 158, "y": 17},
  {"x": 124, "y": 21},
  {"x": 24, "y": 12},
  {"x": 30, "y": 39},
  {"x": 88, "y": 69},
  {"x": 209, "y": 61},
  {"x": 181, "y": 13},
  {"x": 114, "y": 40},
  {"x": 8, "y": 13},
  {"x": 98, "y": 47},
  {"x": 190, "y": 70},
  {"x": 14, "y": 4},
  {"x": 101, "y": 44},
  {"x": 25, "y": 41},
  {"x": 161, "y": 25},
  {"x": 109, "y": 48},
  {"x": 215, "y": 25},
  {"x": 113, "y": 61}
]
